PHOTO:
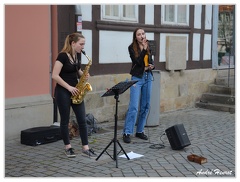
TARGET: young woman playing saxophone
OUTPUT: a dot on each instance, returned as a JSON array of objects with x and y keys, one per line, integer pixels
[{"x": 65, "y": 72}]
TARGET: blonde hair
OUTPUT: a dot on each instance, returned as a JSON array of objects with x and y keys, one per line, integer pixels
[{"x": 74, "y": 37}]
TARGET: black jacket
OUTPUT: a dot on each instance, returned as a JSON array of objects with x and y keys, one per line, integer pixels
[{"x": 137, "y": 68}]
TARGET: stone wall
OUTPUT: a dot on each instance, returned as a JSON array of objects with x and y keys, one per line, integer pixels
[
  {"x": 182, "y": 89},
  {"x": 103, "y": 108},
  {"x": 177, "y": 91}
]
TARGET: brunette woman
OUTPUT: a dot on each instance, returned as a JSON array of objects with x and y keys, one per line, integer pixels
[{"x": 140, "y": 92}]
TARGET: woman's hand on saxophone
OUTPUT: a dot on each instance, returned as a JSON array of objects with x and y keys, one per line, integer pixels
[{"x": 74, "y": 91}]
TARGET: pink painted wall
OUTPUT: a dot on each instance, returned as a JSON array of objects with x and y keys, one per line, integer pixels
[
  {"x": 54, "y": 28},
  {"x": 27, "y": 50}
]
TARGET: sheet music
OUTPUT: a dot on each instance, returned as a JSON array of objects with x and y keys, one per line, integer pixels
[{"x": 131, "y": 155}]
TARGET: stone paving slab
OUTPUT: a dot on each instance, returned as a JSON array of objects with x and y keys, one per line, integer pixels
[{"x": 211, "y": 133}]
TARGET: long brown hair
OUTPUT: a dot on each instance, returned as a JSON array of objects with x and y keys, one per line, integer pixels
[
  {"x": 135, "y": 43},
  {"x": 74, "y": 37}
]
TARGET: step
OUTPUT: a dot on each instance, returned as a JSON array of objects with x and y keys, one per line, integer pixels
[
  {"x": 226, "y": 72},
  {"x": 218, "y": 98},
  {"x": 221, "y": 89},
  {"x": 225, "y": 81},
  {"x": 216, "y": 106}
]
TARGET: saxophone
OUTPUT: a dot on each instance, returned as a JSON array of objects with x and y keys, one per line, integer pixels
[{"x": 83, "y": 86}]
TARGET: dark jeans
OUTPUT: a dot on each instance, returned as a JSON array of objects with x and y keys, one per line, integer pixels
[{"x": 64, "y": 102}]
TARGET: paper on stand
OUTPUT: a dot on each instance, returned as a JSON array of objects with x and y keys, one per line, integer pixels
[{"x": 131, "y": 155}]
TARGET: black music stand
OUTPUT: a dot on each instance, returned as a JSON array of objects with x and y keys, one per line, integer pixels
[{"x": 116, "y": 90}]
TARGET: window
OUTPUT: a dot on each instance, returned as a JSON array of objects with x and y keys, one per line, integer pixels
[
  {"x": 120, "y": 13},
  {"x": 175, "y": 14}
]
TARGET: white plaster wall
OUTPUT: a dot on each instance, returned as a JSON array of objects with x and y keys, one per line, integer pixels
[
  {"x": 88, "y": 45},
  {"x": 86, "y": 12},
  {"x": 114, "y": 46},
  {"x": 196, "y": 47},
  {"x": 150, "y": 36},
  {"x": 149, "y": 14},
  {"x": 197, "y": 16},
  {"x": 207, "y": 47}
]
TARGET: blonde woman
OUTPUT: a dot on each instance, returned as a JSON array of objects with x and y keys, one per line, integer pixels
[{"x": 66, "y": 71}]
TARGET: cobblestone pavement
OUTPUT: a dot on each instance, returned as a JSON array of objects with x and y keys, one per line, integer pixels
[{"x": 211, "y": 133}]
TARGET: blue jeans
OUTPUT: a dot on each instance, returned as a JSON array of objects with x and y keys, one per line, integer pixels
[{"x": 139, "y": 104}]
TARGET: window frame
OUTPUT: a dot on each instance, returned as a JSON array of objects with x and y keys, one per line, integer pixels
[
  {"x": 120, "y": 17},
  {"x": 163, "y": 7}
]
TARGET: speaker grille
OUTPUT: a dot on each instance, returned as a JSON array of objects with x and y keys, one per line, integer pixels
[{"x": 177, "y": 137}]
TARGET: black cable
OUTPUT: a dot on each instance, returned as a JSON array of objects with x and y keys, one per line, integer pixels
[
  {"x": 158, "y": 146},
  {"x": 147, "y": 81},
  {"x": 153, "y": 146}
]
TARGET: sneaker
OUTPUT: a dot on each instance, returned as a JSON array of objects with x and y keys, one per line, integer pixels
[
  {"x": 142, "y": 136},
  {"x": 89, "y": 153},
  {"x": 126, "y": 138},
  {"x": 69, "y": 152}
]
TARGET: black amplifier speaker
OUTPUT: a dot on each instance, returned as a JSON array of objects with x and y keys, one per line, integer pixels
[{"x": 177, "y": 137}]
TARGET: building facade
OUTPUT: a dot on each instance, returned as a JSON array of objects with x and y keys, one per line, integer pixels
[{"x": 183, "y": 38}]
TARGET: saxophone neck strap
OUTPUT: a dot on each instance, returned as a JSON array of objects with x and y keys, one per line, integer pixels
[{"x": 77, "y": 62}]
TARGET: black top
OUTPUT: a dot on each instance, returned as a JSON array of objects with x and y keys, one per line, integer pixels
[
  {"x": 69, "y": 71},
  {"x": 138, "y": 65}
]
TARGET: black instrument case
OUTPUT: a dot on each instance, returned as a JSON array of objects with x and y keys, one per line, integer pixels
[{"x": 40, "y": 135}]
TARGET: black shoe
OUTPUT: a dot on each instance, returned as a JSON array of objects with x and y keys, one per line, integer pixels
[
  {"x": 142, "y": 136},
  {"x": 89, "y": 153},
  {"x": 69, "y": 152},
  {"x": 126, "y": 138}
]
